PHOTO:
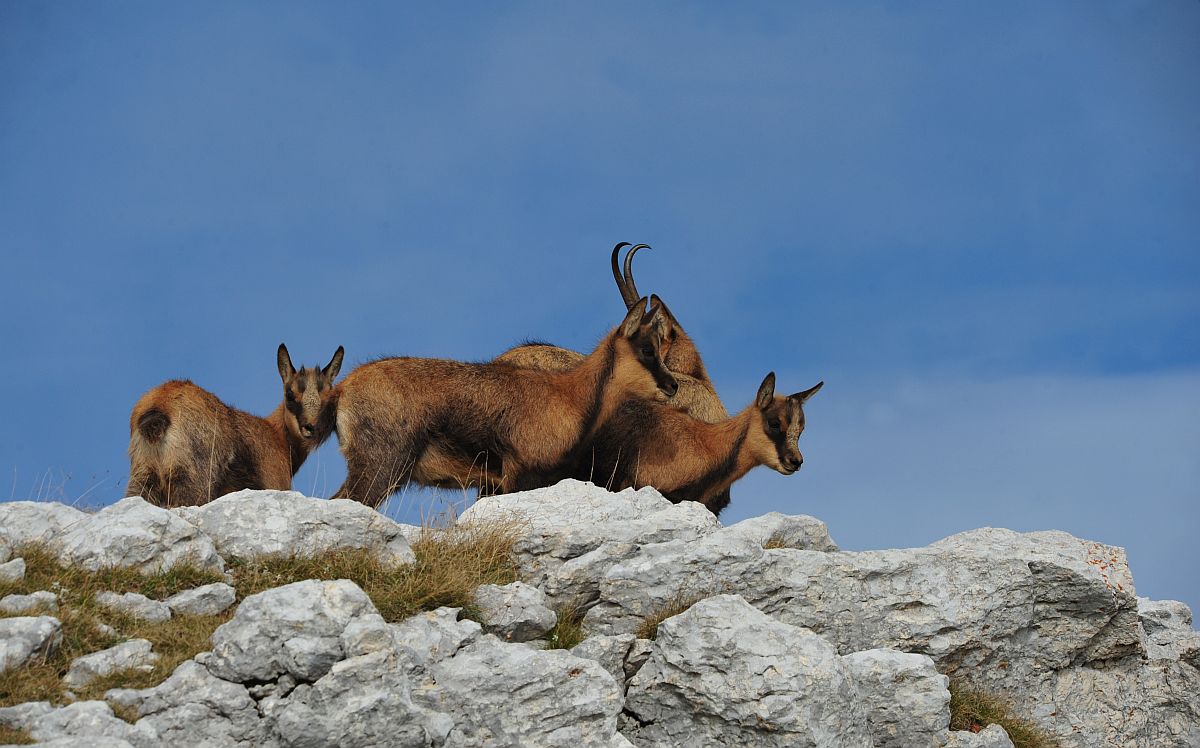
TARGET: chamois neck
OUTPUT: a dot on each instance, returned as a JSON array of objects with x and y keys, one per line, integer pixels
[
  {"x": 297, "y": 447},
  {"x": 733, "y": 436}
]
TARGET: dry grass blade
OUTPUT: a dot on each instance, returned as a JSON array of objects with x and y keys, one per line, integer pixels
[
  {"x": 13, "y": 736},
  {"x": 975, "y": 710},
  {"x": 673, "y": 606},
  {"x": 568, "y": 630},
  {"x": 174, "y": 641}
]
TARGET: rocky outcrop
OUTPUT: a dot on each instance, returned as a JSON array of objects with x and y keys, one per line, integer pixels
[
  {"x": 135, "y": 533},
  {"x": 782, "y": 638},
  {"x": 724, "y": 673},
  {"x": 12, "y": 571},
  {"x": 135, "y": 606},
  {"x": 262, "y": 523},
  {"x": 136, "y": 654},
  {"x": 22, "y": 604},
  {"x": 25, "y": 639}
]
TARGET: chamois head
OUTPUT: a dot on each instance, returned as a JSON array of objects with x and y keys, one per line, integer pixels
[
  {"x": 781, "y": 421},
  {"x": 306, "y": 395},
  {"x": 679, "y": 352},
  {"x": 641, "y": 337}
]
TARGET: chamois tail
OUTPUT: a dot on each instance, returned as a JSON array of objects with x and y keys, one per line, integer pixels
[{"x": 152, "y": 425}]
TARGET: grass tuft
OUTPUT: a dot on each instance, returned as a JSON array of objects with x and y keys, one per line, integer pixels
[
  {"x": 673, "y": 606},
  {"x": 568, "y": 630},
  {"x": 13, "y": 736},
  {"x": 452, "y": 562},
  {"x": 975, "y": 710},
  {"x": 777, "y": 540}
]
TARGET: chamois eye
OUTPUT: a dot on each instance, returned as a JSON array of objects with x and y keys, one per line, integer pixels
[
  {"x": 648, "y": 351},
  {"x": 773, "y": 424},
  {"x": 290, "y": 397}
]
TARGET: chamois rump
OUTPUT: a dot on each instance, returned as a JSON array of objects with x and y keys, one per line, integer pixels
[
  {"x": 186, "y": 447},
  {"x": 648, "y": 443},
  {"x": 495, "y": 426}
]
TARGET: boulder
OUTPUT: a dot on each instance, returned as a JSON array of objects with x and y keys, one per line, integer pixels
[
  {"x": 724, "y": 673},
  {"x": 1167, "y": 631},
  {"x": 5, "y": 546},
  {"x": 135, "y": 533},
  {"x": 209, "y": 600},
  {"x": 428, "y": 638},
  {"x": 22, "y": 604},
  {"x": 192, "y": 707},
  {"x": 799, "y": 531},
  {"x": 611, "y": 652},
  {"x": 12, "y": 571},
  {"x": 992, "y": 736},
  {"x": 37, "y": 521},
  {"x": 135, "y": 606},
  {"x": 26, "y": 639},
  {"x": 262, "y": 523},
  {"x": 510, "y": 694},
  {"x": 90, "y": 721},
  {"x": 515, "y": 612},
  {"x": 586, "y": 529},
  {"x": 136, "y": 654},
  {"x": 294, "y": 630},
  {"x": 906, "y": 699},
  {"x": 361, "y": 701}
]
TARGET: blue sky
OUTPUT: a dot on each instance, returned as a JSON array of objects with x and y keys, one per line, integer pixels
[{"x": 977, "y": 223}]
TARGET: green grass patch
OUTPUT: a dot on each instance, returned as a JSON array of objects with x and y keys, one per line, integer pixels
[{"x": 975, "y": 710}]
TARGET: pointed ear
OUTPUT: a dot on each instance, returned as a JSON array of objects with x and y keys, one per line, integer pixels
[
  {"x": 766, "y": 392},
  {"x": 331, "y": 369},
  {"x": 286, "y": 370},
  {"x": 654, "y": 300},
  {"x": 801, "y": 397},
  {"x": 633, "y": 318}
]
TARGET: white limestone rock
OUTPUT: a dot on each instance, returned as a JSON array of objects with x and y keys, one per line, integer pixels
[
  {"x": 428, "y": 638},
  {"x": 723, "y": 673},
  {"x": 573, "y": 531},
  {"x": 1167, "y": 631},
  {"x": 6, "y": 547},
  {"x": 26, "y": 639},
  {"x": 135, "y": 605},
  {"x": 295, "y": 630},
  {"x": 91, "y": 721},
  {"x": 514, "y": 612},
  {"x": 12, "y": 571},
  {"x": 799, "y": 531},
  {"x": 37, "y": 521},
  {"x": 22, "y": 604},
  {"x": 612, "y": 652},
  {"x": 261, "y": 523},
  {"x": 906, "y": 699},
  {"x": 511, "y": 694},
  {"x": 136, "y": 654},
  {"x": 209, "y": 600},
  {"x": 135, "y": 533},
  {"x": 361, "y": 701},
  {"x": 992, "y": 736},
  {"x": 192, "y": 707}
]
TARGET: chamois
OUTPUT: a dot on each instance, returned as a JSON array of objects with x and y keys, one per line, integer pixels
[
  {"x": 495, "y": 426},
  {"x": 648, "y": 443},
  {"x": 186, "y": 447},
  {"x": 696, "y": 393}
]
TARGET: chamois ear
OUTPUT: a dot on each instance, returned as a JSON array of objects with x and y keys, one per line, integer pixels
[
  {"x": 286, "y": 370},
  {"x": 331, "y": 369},
  {"x": 633, "y": 318},
  {"x": 801, "y": 397},
  {"x": 662, "y": 305},
  {"x": 766, "y": 392}
]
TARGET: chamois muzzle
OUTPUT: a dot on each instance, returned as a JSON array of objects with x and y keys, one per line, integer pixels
[
  {"x": 667, "y": 384},
  {"x": 792, "y": 463},
  {"x": 307, "y": 431}
]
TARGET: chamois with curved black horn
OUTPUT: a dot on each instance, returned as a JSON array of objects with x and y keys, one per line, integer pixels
[
  {"x": 648, "y": 443},
  {"x": 186, "y": 447},
  {"x": 495, "y": 426}
]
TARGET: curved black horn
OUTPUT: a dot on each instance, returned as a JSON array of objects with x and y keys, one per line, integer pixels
[
  {"x": 629, "y": 284},
  {"x": 627, "y": 296}
]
